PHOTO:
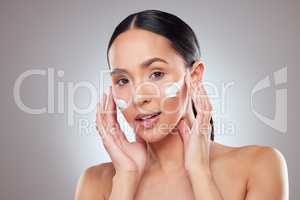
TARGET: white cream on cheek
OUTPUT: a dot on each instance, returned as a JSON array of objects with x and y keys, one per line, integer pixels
[
  {"x": 122, "y": 104},
  {"x": 170, "y": 91}
]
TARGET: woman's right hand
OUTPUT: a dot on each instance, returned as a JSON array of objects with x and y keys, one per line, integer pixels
[{"x": 128, "y": 158}]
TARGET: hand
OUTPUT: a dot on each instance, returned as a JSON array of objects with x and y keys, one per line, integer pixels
[
  {"x": 196, "y": 140},
  {"x": 126, "y": 157}
]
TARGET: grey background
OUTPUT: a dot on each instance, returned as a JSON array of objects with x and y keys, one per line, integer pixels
[{"x": 41, "y": 157}]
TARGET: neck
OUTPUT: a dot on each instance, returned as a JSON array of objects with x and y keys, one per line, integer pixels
[{"x": 167, "y": 155}]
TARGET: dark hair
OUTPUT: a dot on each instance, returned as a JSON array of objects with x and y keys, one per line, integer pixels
[{"x": 180, "y": 35}]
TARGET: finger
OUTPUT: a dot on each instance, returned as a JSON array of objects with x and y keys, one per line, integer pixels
[
  {"x": 107, "y": 122},
  {"x": 101, "y": 117},
  {"x": 202, "y": 124},
  {"x": 204, "y": 99},
  {"x": 113, "y": 148},
  {"x": 104, "y": 129},
  {"x": 202, "y": 102},
  {"x": 184, "y": 131},
  {"x": 107, "y": 136},
  {"x": 205, "y": 105},
  {"x": 118, "y": 135},
  {"x": 112, "y": 119},
  {"x": 112, "y": 116},
  {"x": 103, "y": 102},
  {"x": 196, "y": 98},
  {"x": 97, "y": 114},
  {"x": 110, "y": 107},
  {"x": 110, "y": 142},
  {"x": 114, "y": 132},
  {"x": 100, "y": 120}
]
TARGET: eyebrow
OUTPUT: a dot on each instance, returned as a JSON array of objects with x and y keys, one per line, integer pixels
[{"x": 144, "y": 64}]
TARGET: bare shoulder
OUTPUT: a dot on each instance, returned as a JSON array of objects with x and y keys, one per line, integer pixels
[
  {"x": 95, "y": 182},
  {"x": 264, "y": 168},
  {"x": 264, "y": 160},
  {"x": 255, "y": 154}
]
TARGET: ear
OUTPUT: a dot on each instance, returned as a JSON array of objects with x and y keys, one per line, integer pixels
[{"x": 197, "y": 72}]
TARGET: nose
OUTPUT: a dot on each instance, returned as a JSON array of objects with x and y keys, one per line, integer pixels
[
  {"x": 144, "y": 93},
  {"x": 140, "y": 101}
]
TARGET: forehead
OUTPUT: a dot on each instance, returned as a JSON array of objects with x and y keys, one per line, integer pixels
[{"x": 136, "y": 45}]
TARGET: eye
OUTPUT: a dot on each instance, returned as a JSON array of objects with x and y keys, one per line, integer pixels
[
  {"x": 157, "y": 74},
  {"x": 119, "y": 82}
]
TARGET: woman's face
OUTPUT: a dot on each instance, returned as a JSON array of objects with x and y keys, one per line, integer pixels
[{"x": 141, "y": 82}]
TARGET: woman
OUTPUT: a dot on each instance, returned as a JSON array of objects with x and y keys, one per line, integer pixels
[{"x": 174, "y": 155}]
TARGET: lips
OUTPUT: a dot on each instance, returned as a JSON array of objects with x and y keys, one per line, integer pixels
[
  {"x": 148, "y": 121},
  {"x": 146, "y": 116}
]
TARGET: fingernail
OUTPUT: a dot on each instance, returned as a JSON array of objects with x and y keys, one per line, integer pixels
[{"x": 107, "y": 91}]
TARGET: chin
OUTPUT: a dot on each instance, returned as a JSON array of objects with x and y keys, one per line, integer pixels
[
  {"x": 153, "y": 135},
  {"x": 153, "y": 139}
]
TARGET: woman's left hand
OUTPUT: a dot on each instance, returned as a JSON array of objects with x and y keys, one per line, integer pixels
[{"x": 196, "y": 139}]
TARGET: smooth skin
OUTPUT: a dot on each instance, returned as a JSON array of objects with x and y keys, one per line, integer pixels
[{"x": 179, "y": 163}]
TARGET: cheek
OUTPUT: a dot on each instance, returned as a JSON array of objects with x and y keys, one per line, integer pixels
[
  {"x": 170, "y": 106},
  {"x": 172, "y": 109},
  {"x": 129, "y": 116},
  {"x": 173, "y": 105}
]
